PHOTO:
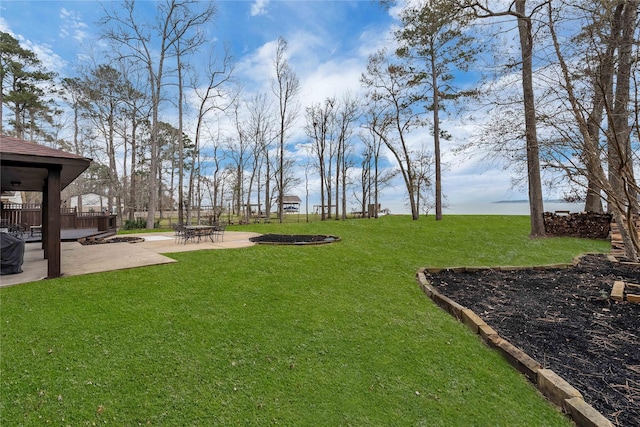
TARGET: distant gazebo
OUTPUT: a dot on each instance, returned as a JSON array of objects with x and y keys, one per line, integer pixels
[
  {"x": 291, "y": 203},
  {"x": 27, "y": 166}
]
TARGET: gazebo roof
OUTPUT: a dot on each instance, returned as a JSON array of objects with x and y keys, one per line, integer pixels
[
  {"x": 291, "y": 199},
  {"x": 25, "y": 164}
]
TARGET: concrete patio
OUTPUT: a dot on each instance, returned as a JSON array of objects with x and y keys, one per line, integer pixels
[{"x": 78, "y": 259}]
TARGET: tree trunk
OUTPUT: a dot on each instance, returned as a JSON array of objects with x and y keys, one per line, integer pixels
[
  {"x": 180, "y": 143},
  {"x": 376, "y": 180},
  {"x": 602, "y": 90},
  {"x": 338, "y": 163},
  {"x": 322, "y": 198},
  {"x": 536, "y": 208},
  {"x": 76, "y": 143},
  {"x": 133, "y": 184},
  {"x": 620, "y": 157},
  {"x": 267, "y": 186},
  {"x": 281, "y": 180},
  {"x": 436, "y": 136},
  {"x": 153, "y": 165},
  {"x": 344, "y": 187},
  {"x": 591, "y": 152},
  {"x": 113, "y": 171},
  {"x": 593, "y": 201}
]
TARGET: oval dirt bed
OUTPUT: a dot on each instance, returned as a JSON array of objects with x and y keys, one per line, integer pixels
[{"x": 294, "y": 239}]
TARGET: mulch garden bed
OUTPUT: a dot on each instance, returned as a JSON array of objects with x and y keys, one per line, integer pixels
[
  {"x": 294, "y": 239},
  {"x": 565, "y": 320},
  {"x": 93, "y": 241}
]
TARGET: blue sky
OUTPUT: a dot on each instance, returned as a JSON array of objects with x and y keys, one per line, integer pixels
[
  {"x": 66, "y": 29},
  {"x": 329, "y": 43}
]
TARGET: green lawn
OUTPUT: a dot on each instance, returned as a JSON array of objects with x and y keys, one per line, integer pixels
[{"x": 335, "y": 334}]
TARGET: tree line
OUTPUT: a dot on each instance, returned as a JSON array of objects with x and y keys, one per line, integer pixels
[{"x": 166, "y": 129}]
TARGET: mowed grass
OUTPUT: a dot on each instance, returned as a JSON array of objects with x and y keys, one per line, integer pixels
[{"x": 327, "y": 335}]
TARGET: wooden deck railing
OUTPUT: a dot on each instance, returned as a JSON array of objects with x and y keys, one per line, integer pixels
[{"x": 29, "y": 214}]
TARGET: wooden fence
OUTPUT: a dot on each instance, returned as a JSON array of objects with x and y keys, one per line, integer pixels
[{"x": 28, "y": 214}]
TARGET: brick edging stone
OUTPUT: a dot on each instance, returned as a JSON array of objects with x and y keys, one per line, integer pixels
[{"x": 551, "y": 385}]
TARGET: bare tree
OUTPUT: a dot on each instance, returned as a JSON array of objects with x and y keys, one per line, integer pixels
[
  {"x": 168, "y": 142},
  {"x": 320, "y": 122},
  {"x": 423, "y": 163},
  {"x": 105, "y": 90},
  {"x": 434, "y": 33},
  {"x": 517, "y": 10},
  {"x": 151, "y": 46},
  {"x": 215, "y": 181},
  {"x": 259, "y": 126},
  {"x": 375, "y": 178},
  {"x": 286, "y": 87},
  {"x": 215, "y": 95},
  {"x": 73, "y": 94},
  {"x": 347, "y": 115},
  {"x": 390, "y": 87},
  {"x": 137, "y": 112},
  {"x": 619, "y": 184},
  {"x": 238, "y": 148}
]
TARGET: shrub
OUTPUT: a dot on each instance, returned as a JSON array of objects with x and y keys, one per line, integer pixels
[{"x": 138, "y": 223}]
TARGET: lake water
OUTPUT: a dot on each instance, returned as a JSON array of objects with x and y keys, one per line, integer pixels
[{"x": 510, "y": 208}]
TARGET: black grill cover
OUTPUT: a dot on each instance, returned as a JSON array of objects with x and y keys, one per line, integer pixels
[{"x": 11, "y": 254}]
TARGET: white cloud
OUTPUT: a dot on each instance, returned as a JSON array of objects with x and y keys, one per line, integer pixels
[
  {"x": 50, "y": 60},
  {"x": 332, "y": 78},
  {"x": 256, "y": 68},
  {"x": 328, "y": 62},
  {"x": 326, "y": 67},
  {"x": 4, "y": 27},
  {"x": 259, "y": 7},
  {"x": 73, "y": 26}
]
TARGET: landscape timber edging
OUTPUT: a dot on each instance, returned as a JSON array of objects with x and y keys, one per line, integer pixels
[
  {"x": 552, "y": 386},
  {"x": 630, "y": 297}
]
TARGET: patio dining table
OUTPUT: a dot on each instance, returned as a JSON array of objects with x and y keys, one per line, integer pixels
[{"x": 191, "y": 232}]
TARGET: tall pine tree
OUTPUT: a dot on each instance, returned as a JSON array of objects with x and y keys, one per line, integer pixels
[{"x": 23, "y": 80}]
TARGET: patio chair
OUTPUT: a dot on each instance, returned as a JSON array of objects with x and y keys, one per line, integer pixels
[
  {"x": 188, "y": 234},
  {"x": 18, "y": 230},
  {"x": 219, "y": 232},
  {"x": 178, "y": 231},
  {"x": 209, "y": 233},
  {"x": 35, "y": 229}
]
